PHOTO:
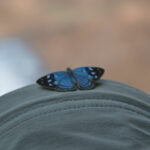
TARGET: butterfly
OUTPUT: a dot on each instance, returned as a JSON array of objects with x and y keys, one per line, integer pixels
[{"x": 83, "y": 78}]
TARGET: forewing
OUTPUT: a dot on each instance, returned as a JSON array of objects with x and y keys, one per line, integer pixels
[
  {"x": 86, "y": 76},
  {"x": 59, "y": 81}
]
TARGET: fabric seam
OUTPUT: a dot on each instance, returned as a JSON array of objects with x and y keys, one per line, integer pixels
[
  {"x": 65, "y": 109},
  {"x": 41, "y": 105}
]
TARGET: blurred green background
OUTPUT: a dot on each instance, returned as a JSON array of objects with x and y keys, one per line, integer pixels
[{"x": 113, "y": 34}]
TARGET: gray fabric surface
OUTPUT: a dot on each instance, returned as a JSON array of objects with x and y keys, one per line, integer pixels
[{"x": 112, "y": 116}]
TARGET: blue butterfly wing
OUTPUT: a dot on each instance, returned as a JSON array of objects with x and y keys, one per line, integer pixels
[
  {"x": 86, "y": 76},
  {"x": 59, "y": 81}
]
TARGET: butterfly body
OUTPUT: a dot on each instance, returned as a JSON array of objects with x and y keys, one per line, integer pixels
[{"x": 81, "y": 78}]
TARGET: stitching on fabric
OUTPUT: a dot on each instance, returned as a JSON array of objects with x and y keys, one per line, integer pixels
[
  {"x": 64, "y": 100},
  {"x": 64, "y": 109}
]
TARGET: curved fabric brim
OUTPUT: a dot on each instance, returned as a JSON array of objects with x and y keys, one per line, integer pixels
[{"x": 112, "y": 116}]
